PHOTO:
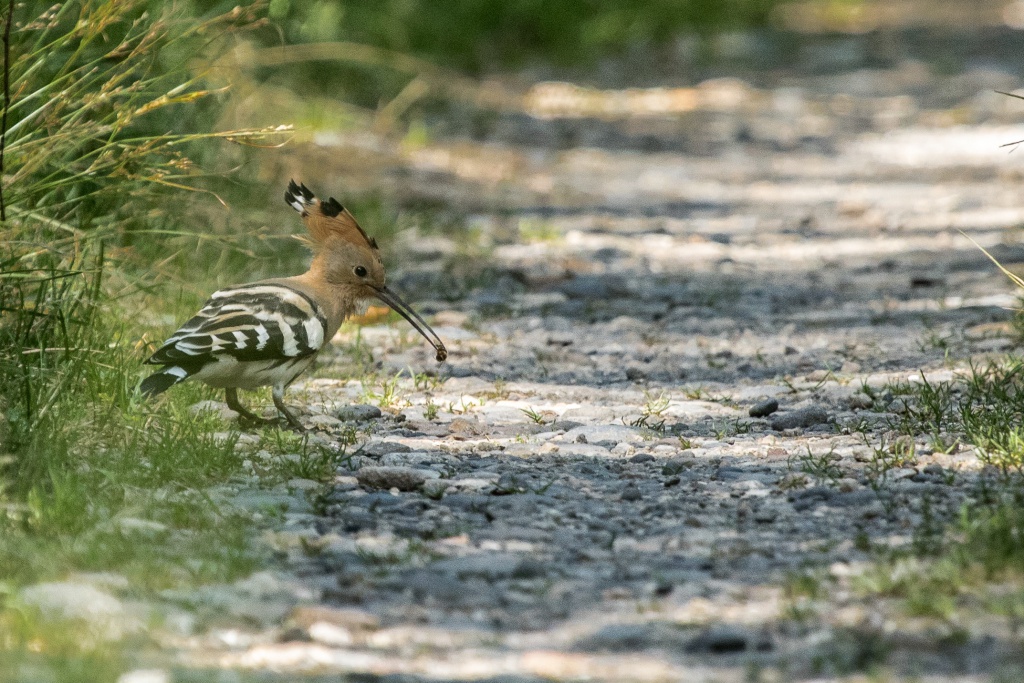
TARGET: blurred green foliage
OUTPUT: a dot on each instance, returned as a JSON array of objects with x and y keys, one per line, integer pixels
[{"x": 476, "y": 35}]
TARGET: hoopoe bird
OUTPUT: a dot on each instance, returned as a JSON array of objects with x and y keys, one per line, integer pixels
[{"x": 268, "y": 333}]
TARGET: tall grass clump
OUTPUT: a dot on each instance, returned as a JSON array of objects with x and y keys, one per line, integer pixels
[
  {"x": 103, "y": 113},
  {"x": 110, "y": 120}
]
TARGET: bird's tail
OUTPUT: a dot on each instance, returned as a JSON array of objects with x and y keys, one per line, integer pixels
[{"x": 162, "y": 380}]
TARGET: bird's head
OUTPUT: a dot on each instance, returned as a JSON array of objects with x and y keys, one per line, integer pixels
[{"x": 349, "y": 258}]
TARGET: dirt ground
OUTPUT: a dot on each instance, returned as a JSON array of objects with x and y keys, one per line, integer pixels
[{"x": 674, "y": 317}]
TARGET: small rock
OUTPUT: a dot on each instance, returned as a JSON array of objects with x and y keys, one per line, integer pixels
[
  {"x": 818, "y": 375},
  {"x": 810, "y": 498},
  {"x": 461, "y": 425},
  {"x": 622, "y": 449},
  {"x": 631, "y": 493},
  {"x": 344, "y": 482},
  {"x": 490, "y": 566},
  {"x": 642, "y": 458},
  {"x": 435, "y": 488},
  {"x": 377, "y": 449},
  {"x": 401, "y": 478},
  {"x": 860, "y": 401},
  {"x": 725, "y": 639},
  {"x": 764, "y": 408},
  {"x": 360, "y": 412},
  {"x": 676, "y": 465},
  {"x": 793, "y": 480},
  {"x": 799, "y": 419}
]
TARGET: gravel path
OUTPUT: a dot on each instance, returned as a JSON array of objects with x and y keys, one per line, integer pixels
[{"x": 670, "y": 340}]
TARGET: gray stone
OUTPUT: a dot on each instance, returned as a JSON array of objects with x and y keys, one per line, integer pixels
[
  {"x": 401, "y": 478},
  {"x": 490, "y": 566},
  {"x": 359, "y": 412},
  {"x": 677, "y": 465},
  {"x": 726, "y": 639},
  {"x": 435, "y": 488},
  {"x": 764, "y": 408},
  {"x": 811, "y": 497},
  {"x": 799, "y": 419},
  {"x": 631, "y": 493},
  {"x": 860, "y": 401},
  {"x": 382, "y": 448}
]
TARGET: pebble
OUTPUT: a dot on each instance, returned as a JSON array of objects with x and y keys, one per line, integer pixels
[
  {"x": 359, "y": 412},
  {"x": 764, "y": 408},
  {"x": 676, "y": 465},
  {"x": 377, "y": 449},
  {"x": 401, "y": 478},
  {"x": 490, "y": 566},
  {"x": 631, "y": 493},
  {"x": 860, "y": 401},
  {"x": 726, "y": 639},
  {"x": 799, "y": 419}
]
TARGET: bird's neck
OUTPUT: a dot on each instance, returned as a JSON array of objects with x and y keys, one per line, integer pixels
[{"x": 336, "y": 302}]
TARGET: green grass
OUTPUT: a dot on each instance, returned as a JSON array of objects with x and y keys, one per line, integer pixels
[
  {"x": 950, "y": 575},
  {"x": 106, "y": 122},
  {"x": 984, "y": 407}
]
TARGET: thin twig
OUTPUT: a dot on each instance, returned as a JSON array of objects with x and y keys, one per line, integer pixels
[{"x": 7, "y": 103}]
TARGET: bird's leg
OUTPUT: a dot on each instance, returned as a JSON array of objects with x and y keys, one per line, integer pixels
[
  {"x": 243, "y": 414},
  {"x": 278, "y": 394}
]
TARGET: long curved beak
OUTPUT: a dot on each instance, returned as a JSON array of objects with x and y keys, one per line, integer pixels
[{"x": 403, "y": 309}]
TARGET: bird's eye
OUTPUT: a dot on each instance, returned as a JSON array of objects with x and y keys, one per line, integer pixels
[{"x": 359, "y": 271}]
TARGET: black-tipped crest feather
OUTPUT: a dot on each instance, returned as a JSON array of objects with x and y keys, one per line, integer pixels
[
  {"x": 322, "y": 217},
  {"x": 332, "y": 207}
]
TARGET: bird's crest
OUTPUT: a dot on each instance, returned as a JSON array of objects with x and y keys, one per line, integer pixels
[{"x": 324, "y": 219}]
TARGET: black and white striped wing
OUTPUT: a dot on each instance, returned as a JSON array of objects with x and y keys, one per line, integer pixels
[{"x": 258, "y": 322}]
